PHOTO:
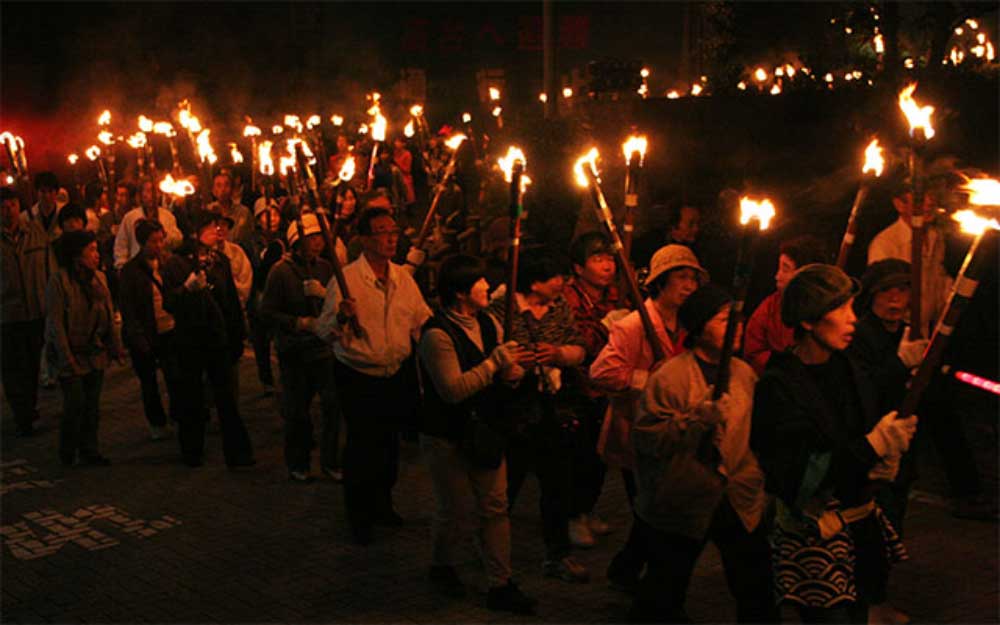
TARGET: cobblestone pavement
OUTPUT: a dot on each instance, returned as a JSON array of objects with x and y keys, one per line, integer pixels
[{"x": 150, "y": 540}]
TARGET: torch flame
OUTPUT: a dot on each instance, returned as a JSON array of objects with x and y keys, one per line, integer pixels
[
  {"x": 347, "y": 169},
  {"x": 466, "y": 118},
  {"x": 104, "y": 119},
  {"x": 93, "y": 152},
  {"x": 235, "y": 154},
  {"x": 983, "y": 191},
  {"x": 873, "y": 159},
  {"x": 696, "y": 89},
  {"x": 776, "y": 89},
  {"x": 313, "y": 121},
  {"x": 589, "y": 160},
  {"x": 205, "y": 150},
  {"x": 543, "y": 97},
  {"x": 363, "y": 129},
  {"x": 455, "y": 140},
  {"x": 337, "y": 120},
  {"x": 292, "y": 121},
  {"x": 408, "y": 128},
  {"x": 251, "y": 131},
  {"x": 264, "y": 158},
  {"x": 179, "y": 188},
  {"x": 286, "y": 163},
  {"x": 763, "y": 211},
  {"x": 105, "y": 137},
  {"x": 277, "y": 129},
  {"x": 635, "y": 144},
  {"x": 506, "y": 164},
  {"x": 73, "y": 158},
  {"x": 494, "y": 94},
  {"x": 164, "y": 128},
  {"x": 973, "y": 223},
  {"x": 138, "y": 140},
  {"x": 145, "y": 124},
  {"x": 416, "y": 110},
  {"x": 567, "y": 92},
  {"x": 917, "y": 116},
  {"x": 673, "y": 94},
  {"x": 879, "y": 44},
  {"x": 760, "y": 74},
  {"x": 497, "y": 111},
  {"x": 378, "y": 127}
]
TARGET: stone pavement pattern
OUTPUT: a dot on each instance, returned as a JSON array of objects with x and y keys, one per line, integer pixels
[{"x": 150, "y": 540}]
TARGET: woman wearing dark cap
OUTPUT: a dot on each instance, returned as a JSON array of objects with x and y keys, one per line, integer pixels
[
  {"x": 80, "y": 339},
  {"x": 824, "y": 450},
  {"x": 688, "y": 496}
]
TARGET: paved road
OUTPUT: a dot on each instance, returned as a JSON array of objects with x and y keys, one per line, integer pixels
[{"x": 149, "y": 540}]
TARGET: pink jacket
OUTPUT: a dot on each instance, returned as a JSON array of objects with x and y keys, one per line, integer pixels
[{"x": 765, "y": 333}]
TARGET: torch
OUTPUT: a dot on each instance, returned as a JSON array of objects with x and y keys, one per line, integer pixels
[
  {"x": 497, "y": 111},
  {"x": 874, "y": 163},
  {"x": 417, "y": 112},
  {"x": 984, "y": 193},
  {"x": 378, "y": 135},
  {"x": 345, "y": 174},
  {"x": 167, "y": 130},
  {"x": 176, "y": 189},
  {"x": 106, "y": 137},
  {"x": 316, "y": 135},
  {"x": 253, "y": 132},
  {"x": 635, "y": 155},
  {"x": 454, "y": 142},
  {"x": 206, "y": 154},
  {"x": 266, "y": 165},
  {"x": 138, "y": 143},
  {"x": 93, "y": 154},
  {"x": 73, "y": 160},
  {"x": 513, "y": 165},
  {"x": 147, "y": 126},
  {"x": 921, "y": 131},
  {"x": 763, "y": 212},
  {"x": 585, "y": 171}
]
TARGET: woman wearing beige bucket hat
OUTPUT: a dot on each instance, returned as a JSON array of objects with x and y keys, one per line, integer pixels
[{"x": 623, "y": 367}]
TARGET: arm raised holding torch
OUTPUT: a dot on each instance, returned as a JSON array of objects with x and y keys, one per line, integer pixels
[{"x": 874, "y": 164}]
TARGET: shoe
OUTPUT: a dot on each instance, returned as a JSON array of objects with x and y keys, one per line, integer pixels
[
  {"x": 509, "y": 598},
  {"x": 566, "y": 569},
  {"x": 444, "y": 580},
  {"x": 337, "y": 475},
  {"x": 389, "y": 518},
  {"x": 974, "y": 508},
  {"x": 301, "y": 477},
  {"x": 242, "y": 463},
  {"x": 157, "y": 432},
  {"x": 579, "y": 532},
  {"x": 94, "y": 460},
  {"x": 621, "y": 577},
  {"x": 598, "y": 525}
]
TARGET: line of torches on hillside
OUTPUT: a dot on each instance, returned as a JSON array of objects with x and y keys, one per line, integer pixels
[{"x": 296, "y": 163}]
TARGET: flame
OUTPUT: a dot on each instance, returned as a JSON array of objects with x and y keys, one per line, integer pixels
[
  {"x": 873, "y": 159},
  {"x": 828, "y": 77},
  {"x": 917, "y": 116},
  {"x": 673, "y": 95},
  {"x": 567, "y": 92},
  {"x": 497, "y": 111},
  {"x": 251, "y": 131},
  {"x": 789, "y": 71},
  {"x": 635, "y": 144},
  {"x": 347, "y": 169},
  {"x": 696, "y": 89},
  {"x": 379, "y": 127},
  {"x": 494, "y": 94},
  {"x": 375, "y": 108},
  {"x": 189, "y": 121},
  {"x": 779, "y": 71},
  {"x": 973, "y": 24},
  {"x": 93, "y": 152},
  {"x": 643, "y": 90},
  {"x": 145, "y": 124},
  {"x": 277, "y": 129},
  {"x": 138, "y": 140},
  {"x": 973, "y": 223},
  {"x": 337, "y": 120},
  {"x": 363, "y": 129},
  {"x": 292, "y": 121},
  {"x": 286, "y": 163},
  {"x": 506, "y": 164},
  {"x": 455, "y": 140},
  {"x": 416, "y": 110},
  {"x": 105, "y": 137},
  {"x": 983, "y": 191},
  {"x": 205, "y": 150},
  {"x": 775, "y": 89},
  {"x": 879, "y": 44},
  {"x": 9, "y": 179},
  {"x": 164, "y": 128},
  {"x": 760, "y": 74},
  {"x": 264, "y": 158},
  {"x": 466, "y": 118},
  {"x": 763, "y": 211},
  {"x": 542, "y": 97},
  {"x": 644, "y": 72},
  {"x": 908, "y": 63},
  {"x": 313, "y": 121},
  {"x": 179, "y": 188},
  {"x": 104, "y": 119},
  {"x": 307, "y": 151},
  {"x": 73, "y": 158},
  {"x": 589, "y": 160},
  {"x": 235, "y": 154},
  {"x": 741, "y": 85},
  {"x": 408, "y": 128}
]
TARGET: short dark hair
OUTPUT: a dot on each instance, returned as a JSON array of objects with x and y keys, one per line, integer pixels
[
  {"x": 370, "y": 215},
  {"x": 145, "y": 228},
  {"x": 804, "y": 250},
  {"x": 46, "y": 180},
  {"x": 92, "y": 193},
  {"x": 456, "y": 275},
  {"x": 536, "y": 267},
  {"x": 588, "y": 244},
  {"x": 71, "y": 211}
]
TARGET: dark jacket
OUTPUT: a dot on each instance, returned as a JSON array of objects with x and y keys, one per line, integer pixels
[
  {"x": 284, "y": 301},
  {"x": 79, "y": 328},
  {"x": 28, "y": 260},
  {"x": 874, "y": 349},
  {"x": 135, "y": 300},
  {"x": 805, "y": 444},
  {"x": 207, "y": 319}
]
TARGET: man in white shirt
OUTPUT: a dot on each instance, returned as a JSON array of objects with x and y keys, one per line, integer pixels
[
  {"x": 238, "y": 261},
  {"x": 375, "y": 392},
  {"x": 126, "y": 245}
]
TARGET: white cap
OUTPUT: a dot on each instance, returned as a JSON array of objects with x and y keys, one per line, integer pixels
[{"x": 309, "y": 223}]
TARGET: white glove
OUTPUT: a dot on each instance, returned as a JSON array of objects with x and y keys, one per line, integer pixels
[
  {"x": 501, "y": 355},
  {"x": 314, "y": 288},
  {"x": 614, "y": 316},
  {"x": 911, "y": 352},
  {"x": 196, "y": 281},
  {"x": 886, "y": 470},
  {"x": 891, "y": 436},
  {"x": 416, "y": 256}
]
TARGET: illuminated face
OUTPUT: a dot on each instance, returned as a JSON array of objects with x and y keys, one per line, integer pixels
[
  {"x": 147, "y": 195},
  {"x": 90, "y": 258},
  {"x": 786, "y": 269},
  {"x": 890, "y": 305},
  {"x": 384, "y": 238},
  {"x": 478, "y": 296},
  {"x": 680, "y": 283},
  {"x": 904, "y": 206},
  {"x": 121, "y": 197},
  {"x": 598, "y": 270},
  {"x": 222, "y": 188},
  {"x": 348, "y": 204},
  {"x": 314, "y": 245},
  {"x": 835, "y": 330},
  {"x": 275, "y": 220},
  {"x": 342, "y": 144},
  {"x": 209, "y": 234},
  {"x": 686, "y": 230}
]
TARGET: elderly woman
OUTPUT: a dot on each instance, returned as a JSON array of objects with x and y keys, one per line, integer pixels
[
  {"x": 824, "y": 450},
  {"x": 80, "y": 338},
  {"x": 465, "y": 365}
]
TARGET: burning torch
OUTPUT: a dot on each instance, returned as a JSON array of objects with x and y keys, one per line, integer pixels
[
  {"x": 454, "y": 142},
  {"x": 513, "y": 165},
  {"x": 874, "y": 164},
  {"x": 206, "y": 154},
  {"x": 378, "y": 128},
  {"x": 585, "y": 172},
  {"x": 984, "y": 193},
  {"x": 921, "y": 131},
  {"x": 252, "y": 132},
  {"x": 635, "y": 156}
]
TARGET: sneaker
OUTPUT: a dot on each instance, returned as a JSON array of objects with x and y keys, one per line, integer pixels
[
  {"x": 598, "y": 525},
  {"x": 566, "y": 569},
  {"x": 301, "y": 477},
  {"x": 509, "y": 598},
  {"x": 337, "y": 475},
  {"x": 579, "y": 532},
  {"x": 445, "y": 581},
  {"x": 157, "y": 432}
]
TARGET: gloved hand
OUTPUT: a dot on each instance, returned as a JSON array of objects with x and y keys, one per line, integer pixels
[
  {"x": 911, "y": 352},
  {"x": 314, "y": 288},
  {"x": 196, "y": 281},
  {"x": 503, "y": 355},
  {"x": 891, "y": 436},
  {"x": 416, "y": 256},
  {"x": 886, "y": 470},
  {"x": 614, "y": 316}
]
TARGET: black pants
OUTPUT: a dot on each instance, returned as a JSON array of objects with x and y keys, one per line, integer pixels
[
  {"x": 672, "y": 557},
  {"x": 20, "y": 360},
  {"x": 163, "y": 356},
  {"x": 195, "y": 363},
  {"x": 81, "y": 414},
  {"x": 941, "y": 418},
  {"x": 301, "y": 381},
  {"x": 374, "y": 411},
  {"x": 588, "y": 468},
  {"x": 546, "y": 450}
]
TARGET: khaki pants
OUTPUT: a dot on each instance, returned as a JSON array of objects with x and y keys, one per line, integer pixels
[{"x": 459, "y": 492}]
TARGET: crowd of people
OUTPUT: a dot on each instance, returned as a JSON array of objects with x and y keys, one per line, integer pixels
[{"x": 799, "y": 473}]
